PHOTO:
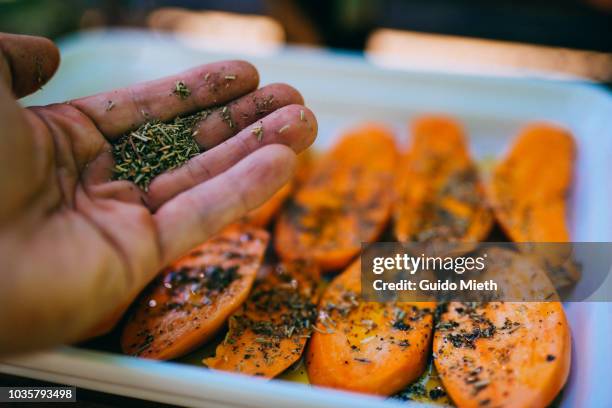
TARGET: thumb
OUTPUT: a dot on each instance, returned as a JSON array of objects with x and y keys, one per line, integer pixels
[
  {"x": 26, "y": 62},
  {"x": 18, "y": 168}
]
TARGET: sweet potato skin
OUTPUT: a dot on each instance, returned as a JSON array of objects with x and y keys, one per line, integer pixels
[
  {"x": 192, "y": 298},
  {"x": 514, "y": 354},
  {"x": 367, "y": 347},
  {"x": 529, "y": 188},
  {"x": 268, "y": 333},
  {"x": 345, "y": 201},
  {"x": 439, "y": 195}
]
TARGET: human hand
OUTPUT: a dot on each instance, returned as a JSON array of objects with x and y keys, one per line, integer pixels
[{"x": 76, "y": 247}]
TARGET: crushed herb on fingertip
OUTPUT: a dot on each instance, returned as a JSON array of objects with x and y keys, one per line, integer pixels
[
  {"x": 181, "y": 90},
  {"x": 258, "y": 132}
]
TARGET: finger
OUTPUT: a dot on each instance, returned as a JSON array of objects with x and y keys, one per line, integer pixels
[
  {"x": 221, "y": 125},
  {"x": 294, "y": 126},
  {"x": 193, "y": 216},
  {"x": 118, "y": 111},
  {"x": 26, "y": 62}
]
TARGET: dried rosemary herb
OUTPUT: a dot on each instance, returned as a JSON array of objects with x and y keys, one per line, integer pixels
[
  {"x": 181, "y": 90},
  {"x": 437, "y": 393},
  {"x": 39, "y": 70},
  {"x": 226, "y": 116},
  {"x": 258, "y": 132},
  {"x": 155, "y": 147}
]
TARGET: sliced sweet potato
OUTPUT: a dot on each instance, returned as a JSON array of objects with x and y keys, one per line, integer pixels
[
  {"x": 439, "y": 195},
  {"x": 370, "y": 347},
  {"x": 529, "y": 188},
  {"x": 192, "y": 298},
  {"x": 503, "y": 354},
  {"x": 345, "y": 201},
  {"x": 498, "y": 354},
  {"x": 269, "y": 332},
  {"x": 529, "y": 191}
]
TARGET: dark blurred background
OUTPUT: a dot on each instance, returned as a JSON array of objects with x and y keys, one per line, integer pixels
[
  {"x": 573, "y": 37},
  {"x": 583, "y": 24}
]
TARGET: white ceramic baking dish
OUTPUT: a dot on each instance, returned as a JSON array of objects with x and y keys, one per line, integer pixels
[{"x": 344, "y": 90}]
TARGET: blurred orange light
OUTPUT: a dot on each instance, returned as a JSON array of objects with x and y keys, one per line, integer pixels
[{"x": 410, "y": 50}]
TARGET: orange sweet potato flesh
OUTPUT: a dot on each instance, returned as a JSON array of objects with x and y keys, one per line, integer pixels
[
  {"x": 190, "y": 300},
  {"x": 521, "y": 366},
  {"x": 369, "y": 347},
  {"x": 345, "y": 200},
  {"x": 439, "y": 194},
  {"x": 529, "y": 191},
  {"x": 269, "y": 332},
  {"x": 498, "y": 354},
  {"x": 529, "y": 188}
]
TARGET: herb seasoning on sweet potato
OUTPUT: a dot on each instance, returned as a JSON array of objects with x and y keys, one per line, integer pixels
[
  {"x": 371, "y": 347},
  {"x": 192, "y": 298},
  {"x": 269, "y": 332},
  {"x": 529, "y": 191},
  {"x": 499, "y": 354},
  {"x": 529, "y": 188},
  {"x": 345, "y": 201},
  {"x": 440, "y": 197}
]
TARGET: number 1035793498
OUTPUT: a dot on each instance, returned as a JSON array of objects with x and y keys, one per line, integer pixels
[{"x": 37, "y": 394}]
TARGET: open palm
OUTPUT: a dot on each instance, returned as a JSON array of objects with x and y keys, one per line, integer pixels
[{"x": 76, "y": 247}]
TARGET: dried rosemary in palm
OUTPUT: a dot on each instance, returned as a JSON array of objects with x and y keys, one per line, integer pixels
[{"x": 155, "y": 147}]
